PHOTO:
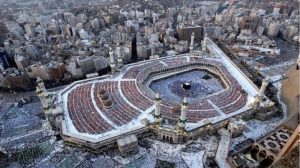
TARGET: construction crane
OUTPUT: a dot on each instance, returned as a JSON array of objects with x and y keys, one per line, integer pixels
[{"x": 278, "y": 80}]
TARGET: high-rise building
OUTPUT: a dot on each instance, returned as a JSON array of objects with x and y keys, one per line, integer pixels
[
  {"x": 86, "y": 64},
  {"x": 16, "y": 79},
  {"x": 292, "y": 30},
  {"x": 70, "y": 19},
  {"x": 49, "y": 71},
  {"x": 83, "y": 34},
  {"x": 185, "y": 32},
  {"x": 249, "y": 22},
  {"x": 21, "y": 62},
  {"x": 5, "y": 59},
  {"x": 73, "y": 69},
  {"x": 56, "y": 70},
  {"x": 95, "y": 23},
  {"x": 100, "y": 62},
  {"x": 29, "y": 30},
  {"x": 260, "y": 30},
  {"x": 3, "y": 30},
  {"x": 143, "y": 52},
  {"x": 273, "y": 29}
]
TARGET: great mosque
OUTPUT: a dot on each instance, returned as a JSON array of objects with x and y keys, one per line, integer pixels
[{"x": 120, "y": 108}]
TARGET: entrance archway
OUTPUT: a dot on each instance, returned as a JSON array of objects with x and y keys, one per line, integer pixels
[
  {"x": 167, "y": 138},
  {"x": 171, "y": 139}
]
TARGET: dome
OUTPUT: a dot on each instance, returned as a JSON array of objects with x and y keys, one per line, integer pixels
[
  {"x": 102, "y": 92},
  {"x": 107, "y": 103},
  {"x": 104, "y": 97}
]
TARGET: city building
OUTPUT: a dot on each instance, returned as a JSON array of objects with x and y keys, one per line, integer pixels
[{"x": 16, "y": 79}]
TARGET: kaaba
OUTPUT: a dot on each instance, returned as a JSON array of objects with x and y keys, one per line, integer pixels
[{"x": 186, "y": 86}]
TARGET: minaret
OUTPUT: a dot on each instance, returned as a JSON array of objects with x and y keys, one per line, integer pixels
[
  {"x": 154, "y": 22},
  {"x": 112, "y": 61},
  {"x": 154, "y": 18},
  {"x": 120, "y": 59},
  {"x": 263, "y": 87},
  {"x": 157, "y": 114},
  {"x": 204, "y": 42},
  {"x": 192, "y": 42},
  {"x": 184, "y": 108},
  {"x": 118, "y": 49},
  {"x": 260, "y": 94},
  {"x": 44, "y": 97},
  {"x": 170, "y": 24},
  {"x": 152, "y": 51},
  {"x": 41, "y": 84},
  {"x": 47, "y": 98}
]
